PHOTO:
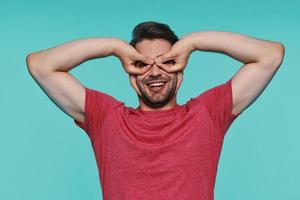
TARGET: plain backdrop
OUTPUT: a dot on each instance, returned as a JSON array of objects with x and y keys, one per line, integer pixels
[{"x": 44, "y": 155}]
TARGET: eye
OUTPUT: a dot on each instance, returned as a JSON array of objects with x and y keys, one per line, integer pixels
[
  {"x": 140, "y": 64},
  {"x": 169, "y": 62}
]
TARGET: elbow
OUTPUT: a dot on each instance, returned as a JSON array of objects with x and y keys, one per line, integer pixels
[
  {"x": 34, "y": 63},
  {"x": 275, "y": 55},
  {"x": 30, "y": 61},
  {"x": 281, "y": 50},
  {"x": 278, "y": 54}
]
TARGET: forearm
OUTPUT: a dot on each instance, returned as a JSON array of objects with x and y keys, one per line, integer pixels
[
  {"x": 240, "y": 47},
  {"x": 67, "y": 56}
]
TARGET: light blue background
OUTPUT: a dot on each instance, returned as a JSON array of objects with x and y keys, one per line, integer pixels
[{"x": 45, "y": 156}]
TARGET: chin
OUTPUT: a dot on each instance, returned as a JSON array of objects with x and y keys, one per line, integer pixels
[{"x": 157, "y": 104}]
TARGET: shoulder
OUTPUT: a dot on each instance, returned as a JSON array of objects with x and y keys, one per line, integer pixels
[
  {"x": 214, "y": 98},
  {"x": 99, "y": 97},
  {"x": 99, "y": 103},
  {"x": 215, "y": 93}
]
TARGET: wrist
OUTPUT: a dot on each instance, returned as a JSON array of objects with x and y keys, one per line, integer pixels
[
  {"x": 190, "y": 42},
  {"x": 116, "y": 45}
]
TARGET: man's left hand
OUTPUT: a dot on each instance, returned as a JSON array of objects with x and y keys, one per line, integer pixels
[{"x": 177, "y": 57}]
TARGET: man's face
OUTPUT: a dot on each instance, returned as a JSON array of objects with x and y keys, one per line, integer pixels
[{"x": 156, "y": 87}]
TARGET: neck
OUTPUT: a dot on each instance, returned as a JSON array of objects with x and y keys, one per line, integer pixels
[{"x": 170, "y": 105}]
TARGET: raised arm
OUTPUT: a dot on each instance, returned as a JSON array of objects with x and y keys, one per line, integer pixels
[
  {"x": 49, "y": 68},
  {"x": 261, "y": 60}
]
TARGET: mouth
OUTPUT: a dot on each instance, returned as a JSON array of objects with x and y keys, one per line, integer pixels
[{"x": 156, "y": 86}]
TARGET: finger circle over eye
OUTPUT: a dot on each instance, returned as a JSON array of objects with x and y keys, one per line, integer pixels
[
  {"x": 140, "y": 70},
  {"x": 176, "y": 68},
  {"x": 139, "y": 64},
  {"x": 164, "y": 67}
]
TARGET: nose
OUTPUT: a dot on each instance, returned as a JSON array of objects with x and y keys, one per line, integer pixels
[{"x": 155, "y": 71}]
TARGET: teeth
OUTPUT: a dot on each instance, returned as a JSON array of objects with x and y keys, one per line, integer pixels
[{"x": 156, "y": 84}]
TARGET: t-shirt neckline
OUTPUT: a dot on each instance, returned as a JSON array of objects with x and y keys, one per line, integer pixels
[{"x": 157, "y": 112}]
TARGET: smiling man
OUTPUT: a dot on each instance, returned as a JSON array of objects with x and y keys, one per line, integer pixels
[
  {"x": 159, "y": 150},
  {"x": 156, "y": 88}
]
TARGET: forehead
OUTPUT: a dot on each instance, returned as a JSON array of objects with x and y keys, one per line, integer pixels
[{"x": 154, "y": 47}]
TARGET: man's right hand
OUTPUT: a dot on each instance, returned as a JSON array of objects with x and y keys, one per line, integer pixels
[{"x": 133, "y": 62}]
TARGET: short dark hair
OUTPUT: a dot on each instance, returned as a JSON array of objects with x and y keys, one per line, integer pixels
[{"x": 152, "y": 30}]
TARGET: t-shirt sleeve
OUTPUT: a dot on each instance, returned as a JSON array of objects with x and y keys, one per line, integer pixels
[
  {"x": 219, "y": 102},
  {"x": 96, "y": 106}
]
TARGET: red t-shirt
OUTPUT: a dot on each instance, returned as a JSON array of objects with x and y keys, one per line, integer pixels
[{"x": 158, "y": 155}]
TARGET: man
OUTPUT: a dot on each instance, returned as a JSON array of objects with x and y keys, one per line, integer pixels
[{"x": 159, "y": 150}]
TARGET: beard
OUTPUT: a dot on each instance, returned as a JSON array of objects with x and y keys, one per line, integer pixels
[{"x": 157, "y": 99}]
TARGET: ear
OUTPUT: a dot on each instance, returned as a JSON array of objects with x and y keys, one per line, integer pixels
[
  {"x": 179, "y": 80},
  {"x": 132, "y": 79}
]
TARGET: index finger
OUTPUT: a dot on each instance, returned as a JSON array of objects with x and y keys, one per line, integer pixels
[
  {"x": 138, "y": 70},
  {"x": 170, "y": 69}
]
